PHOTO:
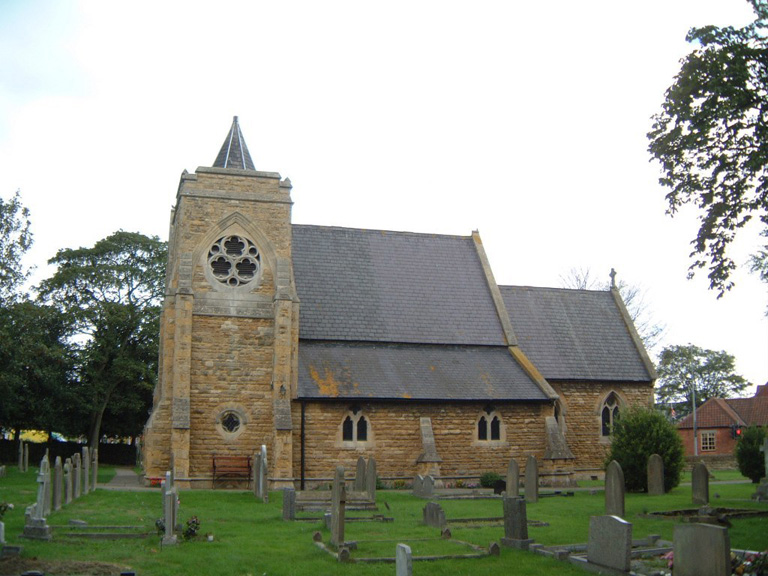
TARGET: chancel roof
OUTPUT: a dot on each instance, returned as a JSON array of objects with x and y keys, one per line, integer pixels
[
  {"x": 234, "y": 153},
  {"x": 574, "y": 334}
]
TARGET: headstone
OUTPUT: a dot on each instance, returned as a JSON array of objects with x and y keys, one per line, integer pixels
[
  {"x": 78, "y": 475},
  {"x": 35, "y": 525},
  {"x": 702, "y": 550},
  {"x": 423, "y": 486},
  {"x": 58, "y": 483},
  {"x": 515, "y": 523},
  {"x": 289, "y": 504},
  {"x": 45, "y": 468},
  {"x": 513, "y": 479},
  {"x": 531, "y": 479},
  {"x": 338, "y": 507},
  {"x": 610, "y": 543},
  {"x": 434, "y": 515},
  {"x": 370, "y": 478},
  {"x": 700, "y": 484},
  {"x": 2, "y": 533},
  {"x": 86, "y": 461},
  {"x": 403, "y": 560},
  {"x": 655, "y": 475},
  {"x": 614, "y": 490},
  {"x": 21, "y": 456},
  {"x": 68, "y": 481},
  {"x": 417, "y": 487},
  {"x": 26, "y": 456},
  {"x": 260, "y": 470},
  {"x": 360, "y": 485},
  {"x": 94, "y": 469},
  {"x": 169, "y": 510},
  {"x": 255, "y": 475}
]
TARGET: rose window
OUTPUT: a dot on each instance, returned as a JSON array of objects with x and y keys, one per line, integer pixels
[{"x": 234, "y": 260}]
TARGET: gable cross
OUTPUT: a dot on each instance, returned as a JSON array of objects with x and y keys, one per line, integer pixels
[{"x": 613, "y": 278}]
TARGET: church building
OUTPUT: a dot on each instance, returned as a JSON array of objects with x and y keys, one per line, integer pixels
[{"x": 326, "y": 344}]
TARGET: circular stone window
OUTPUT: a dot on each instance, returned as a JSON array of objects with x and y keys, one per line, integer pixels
[
  {"x": 234, "y": 260},
  {"x": 230, "y": 422}
]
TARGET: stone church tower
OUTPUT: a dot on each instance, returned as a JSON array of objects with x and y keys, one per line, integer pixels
[{"x": 229, "y": 327}]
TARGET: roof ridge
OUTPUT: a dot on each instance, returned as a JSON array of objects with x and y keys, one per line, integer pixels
[
  {"x": 555, "y": 288},
  {"x": 382, "y": 231}
]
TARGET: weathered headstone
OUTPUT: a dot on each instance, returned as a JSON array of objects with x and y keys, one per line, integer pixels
[
  {"x": 169, "y": 510},
  {"x": 700, "y": 484},
  {"x": 614, "y": 490},
  {"x": 655, "y": 475},
  {"x": 338, "y": 507},
  {"x": 78, "y": 475},
  {"x": 45, "y": 468},
  {"x": 35, "y": 525},
  {"x": 610, "y": 543},
  {"x": 94, "y": 468},
  {"x": 702, "y": 550},
  {"x": 513, "y": 479},
  {"x": 434, "y": 515},
  {"x": 21, "y": 456},
  {"x": 370, "y": 478},
  {"x": 515, "y": 523},
  {"x": 260, "y": 475},
  {"x": 68, "y": 481},
  {"x": 289, "y": 504},
  {"x": 2, "y": 533},
  {"x": 423, "y": 486},
  {"x": 255, "y": 471},
  {"x": 86, "y": 460},
  {"x": 360, "y": 485},
  {"x": 532, "y": 479},
  {"x": 26, "y": 457},
  {"x": 418, "y": 485},
  {"x": 403, "y": 560},
  {"x": 58, "y": 483}
]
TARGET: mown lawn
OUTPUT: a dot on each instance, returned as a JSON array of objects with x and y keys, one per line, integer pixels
[{"x": 251, "y": 537}]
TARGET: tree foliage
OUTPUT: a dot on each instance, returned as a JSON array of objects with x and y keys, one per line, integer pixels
[
  {"x": 15, "y": 240},
  {"x": 639, "y": 433},
  {"x": 748, "y": 456},
  {"x": 684, "y": 370},
  {"x": 112, "y": 292},
  {"x": 710, "y": 138},
  {"x": 758, "y": 263}
]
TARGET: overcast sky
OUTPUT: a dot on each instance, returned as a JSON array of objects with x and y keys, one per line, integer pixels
[{"x": 525, "y": 121}]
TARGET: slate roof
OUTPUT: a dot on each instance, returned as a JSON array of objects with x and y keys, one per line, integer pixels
[
  {"x": 380, "y": 286},
  {"x": 723, "y": 412},
  {"x": 574, "y": 334},
  {"x": 234, "y": 153}
]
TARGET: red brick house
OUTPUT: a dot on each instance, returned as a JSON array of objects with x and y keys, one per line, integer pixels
[{"x": 716, "y": 422}]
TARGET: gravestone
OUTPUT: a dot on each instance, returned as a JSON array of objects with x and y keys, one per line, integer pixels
[
  {"x": 26, "y": 457},
  {"x": 360, "y": 485},
  {"x": 610, "y": 543},
  {"x": 45, "y": 468},
  {"x": 434, "y": 515},
  {"x": 655, "y": 475},
  {"x": 338, "y": 506},
  {"x": 700, "y": 484},
  {"x": 94, "y": 469},
  {"x": 260, "y": 468},
  {"x": 532, "y": 479},
  {"x": 423, "y": 486},
  {"x": 2, "y": 533},
  {"x": 35, "y": 525},
  {"x": 513, "y": 479},
  {"x": 702, "y": 550},
  {"x": 78, "y": 475},
  {"x": 67, "y": 481},
  {"x": 58, "y": 483},
  {"x": 289, "y": 504},
  {"x": 86, "y": 461},
  {"x": 21, "y": 456},
  {"x": 614, "y": 490},
  {"x": 169, "y": 510},
  {"x": 256, "y": 470},
  {"x": 370, "y": 478},
  {"x": 515, "y": 523},
  {"x": 403, "y": 560}
]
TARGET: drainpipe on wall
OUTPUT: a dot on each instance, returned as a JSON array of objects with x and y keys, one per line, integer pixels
[{"x": 303, "y": 435}]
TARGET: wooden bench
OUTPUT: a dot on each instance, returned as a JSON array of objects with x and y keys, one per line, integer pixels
[{"x": 232, "y": 468}]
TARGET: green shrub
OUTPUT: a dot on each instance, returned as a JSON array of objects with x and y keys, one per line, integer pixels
[
  {"x": 489, "y": 479},
  {"x": 751, "y": 461},
  {"x": 637, "y": 434}
]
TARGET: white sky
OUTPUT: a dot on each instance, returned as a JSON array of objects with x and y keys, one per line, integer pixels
[{"x": 526, "y": 121}]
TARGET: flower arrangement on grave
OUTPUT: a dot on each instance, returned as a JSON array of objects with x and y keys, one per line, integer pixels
[
  {"x": 752, "y": 565},
  {"x": 4, "y": 507},
  {"x": 190, "y": 531}
]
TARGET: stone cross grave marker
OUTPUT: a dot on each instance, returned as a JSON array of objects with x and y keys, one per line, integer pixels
[
  {"x": 289, "y": 504},
  {"x": 702, "y": 550},
  {"x": 338, "y": 507},
  {"x": 67, "y": 481},
  {"x": 35, "y": 525},
  {"x": 700, "y": 484},
  {"x": 360, "y": 485},
  {"x": 532, "y": 479},
  {"x": 58, "y": 483},
  {"x": 434, "y": 515},
  {"x": 513, "y": 479},
  {"x": 655, "y": 475},
  {"x": 370, "y": 478},
  {"x": 610, "y": 543},
  {"x": 515, "y": 523},
  {"x": 78, "y": 475},
  {"x": 86, "y": 460},
  {"x": 403, "y": 560},
  {"x": 614, "y": 490}
]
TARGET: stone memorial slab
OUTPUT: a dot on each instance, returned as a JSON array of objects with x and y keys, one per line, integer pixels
[
  {"x": 289, "y": 504},
  {"x": 86, "y": 461},
  {"x": 700, "y": 484},
  {"x": 78, "y": 475},
  {"x": 610, "y": 543},
  {"x": 532, "y": 479},
  {"x": 58, "y": 484},
  {"x": 702, "y": 550},
  {"x": 2, "y": 533},
  {"x": 403, "y": 560},
  {"x": 67, "y": 481},
  {"x": 515, "y": 523},
  {"x": 513, "y": 479},
  {"x": 614, "y": 490},
  {"x": 434, "y": 515},
  {"x": 338, "y": 507},
  {"x": 655, "y": 475},
  {"x": 26, "y": 457},
  {"x": 360, "y": 484},
  {"x": 370, "y": 478},
  {"x": 94, "y": 468},
  {"x": 45, "y": 469},
  {"x": 21, "y": 456},
  {"x": 170, "y": 510}
]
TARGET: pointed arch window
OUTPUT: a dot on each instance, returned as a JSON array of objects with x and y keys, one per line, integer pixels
[
  {"x": 489, "y": 426},
  {"x": 355, "y": 428},
  {"x": 609, "y": 414}
]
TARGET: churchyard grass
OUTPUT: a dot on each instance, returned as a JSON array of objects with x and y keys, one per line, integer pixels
[{"x": 251, "y": 538}]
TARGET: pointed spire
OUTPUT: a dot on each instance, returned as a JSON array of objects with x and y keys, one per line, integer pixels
[{"x": 234, "y": 153}]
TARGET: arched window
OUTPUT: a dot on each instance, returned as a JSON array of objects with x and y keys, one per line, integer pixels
[
  {"x": 355, "y": 427},
  {"x": 362, "y": 429},
  {"x": 609, "y": 414},
  {"x": 489, "y": 426},
  {"x": 348, "y": 430},
  {"x": 495, "y": 428},
  {"x": 482, "y": 428}
]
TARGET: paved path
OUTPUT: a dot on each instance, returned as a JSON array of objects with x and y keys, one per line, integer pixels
[{"x": 126, "y": 479}]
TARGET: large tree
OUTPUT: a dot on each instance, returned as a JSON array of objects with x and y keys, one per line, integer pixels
[
  {"x": 710, "y": 138},
  {"x": 685, "y": 371},
  {"x": 112, "y": 293},
  {"x": 15, "y": 240}
]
